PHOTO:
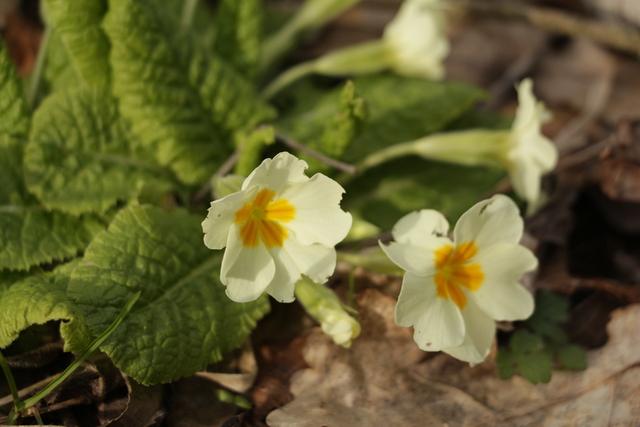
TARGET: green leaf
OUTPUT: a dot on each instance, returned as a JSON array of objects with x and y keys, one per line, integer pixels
[
  {"x": 36, "y": 300},
  {"x": 250, "y": 146},
  {"x": 384, "y": 194},
  {"x": 79, "y": 158},
  {"x": 335, "y": 127},
  {"x": 506, "y": 363},
  {"x": 78, "y": 25},
  {"x": 551, "y": 311},
  {"x": 29, "y": 234},
  {"x": 572, "y": 357},
  {"x": 183, "y": 320},
  {"x": 58, "y": 72},
  {"x": 535, "y": 367},
  {"x": 404, "y": 109},
  {"x": 526, "y": 356},
  {"x": 14, "y": 113},
  {"x": 524, "y": 342},
  {"x": 182, "y": 103},
  {"x": 239, "y": 33}
]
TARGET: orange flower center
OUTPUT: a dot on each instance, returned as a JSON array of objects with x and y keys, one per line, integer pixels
[
  {"x": 455, "y": 272},
  {"x": 261, "y": 220}
]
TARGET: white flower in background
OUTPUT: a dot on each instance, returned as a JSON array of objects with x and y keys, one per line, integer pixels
[
  {"x": 416, "y": 41},
  {"x": 523, "y": 151},
  {"x": 280, "y": 225},
  {"x": 530, "y": 154},
  {"x": 414, "y": 44},
  {"x": 453, "y": 291}
]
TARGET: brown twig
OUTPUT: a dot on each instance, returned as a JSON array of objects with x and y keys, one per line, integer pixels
[
  {"x": 627, "y": 293},
  {"x": 337, "y": 164},
  {"x": 6, "y": 400},
  {"x": 620, "y": 37},
  {"x": 223, "y": 170}
]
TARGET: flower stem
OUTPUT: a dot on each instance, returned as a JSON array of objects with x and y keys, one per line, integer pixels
[
  {"x": 363, "y": 58},
  {"x": 18, "y": 405},
  {"x": 311, "y": 16},
  {"x": 471, "y": 147},
  {"x": 287, "y": 78}
]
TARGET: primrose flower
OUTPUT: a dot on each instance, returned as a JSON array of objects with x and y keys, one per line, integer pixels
[
  {"x": 530, "y": 154},
  {"x": 454, "y": 290},
  {"x": 416, "y": 40},
  {"x": 523, "y": 151},
  {"x": 280, "y": 225},
  {"x": 414, "y": 44}
]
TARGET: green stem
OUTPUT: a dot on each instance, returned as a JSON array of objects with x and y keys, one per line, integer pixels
[
  {"x": 95, "y": 345},
  {"x": 18, "y": 405},
  {"x": 287, "y": 78},
  {"x": 472, "y": 147},
  {"x": 311, "y": 16},
  {"x": 188, "y": 10},
  {"x": 363, "y": 58},
  {"x": 37, "y": 72}
]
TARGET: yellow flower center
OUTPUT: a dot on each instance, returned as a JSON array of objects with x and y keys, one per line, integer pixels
[
  {"x": 261, "y": 220},
  {"x": 454, "y": 272}
]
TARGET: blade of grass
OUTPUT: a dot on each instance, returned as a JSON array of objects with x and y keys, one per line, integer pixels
[{"x": 95, "y": 345}]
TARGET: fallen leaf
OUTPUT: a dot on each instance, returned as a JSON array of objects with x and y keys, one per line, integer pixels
[{"x": 381, "y": 382}]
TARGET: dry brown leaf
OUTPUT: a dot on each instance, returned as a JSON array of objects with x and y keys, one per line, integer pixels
[{"x": 380, "y": 382}]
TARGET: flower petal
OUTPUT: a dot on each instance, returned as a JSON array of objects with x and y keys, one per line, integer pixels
[
  {"x": 501, "y": 296},
  {"x": 411, "y": 258},
  {"x": 490, "y": 221},
  {"x": 246, "y": 272},
  {"x": 480, "y": 330},
  {"x": 416, "y": 227},
  {"x": 276, "y": 174},
  {"x": 415, "y": 297},
  {"x": 440, "y": 326},
  {"x": 220, "y": 217},
  {"x": 318, "y": 217},
  {"x": 416, "y": 39},
  {"x": 531, "y": 154},
  {"x": 317, "y": 262}
]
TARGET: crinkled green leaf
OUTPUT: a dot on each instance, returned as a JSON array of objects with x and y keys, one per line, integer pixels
[
  {"x": 239, "y": 33},
  {"x": 8, "y": 278},
  {"x": 80, "y": 158},
  {"x": 337, "y": 120},
  {"x": 183, "y": 320},
  {"x": 29, "y": 234},
  {"x": 14, "y": 114},
  {"x": 58, "y": 72},
  {"x": 386, "y": 193},
  {"x": 78, "y": 24},
  {"x": 39, "y": 299},
  {"x": 249, "y": 147},
  {"x": 181, "y": 102}
]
